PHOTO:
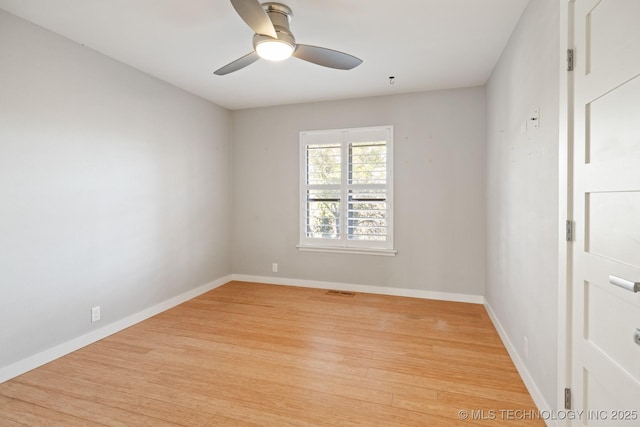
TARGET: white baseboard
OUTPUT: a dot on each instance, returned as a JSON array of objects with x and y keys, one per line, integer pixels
[
  {"x": 401, "y": 292},
  {"x": 531, "y": 385},
  {"x": 46, "y": 356}
]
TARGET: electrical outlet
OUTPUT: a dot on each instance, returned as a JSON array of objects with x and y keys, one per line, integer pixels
[
  {"x": 95, "y": 313},
  {"x": 274, "y": 267},
  {"x": 526, "y": 347}
]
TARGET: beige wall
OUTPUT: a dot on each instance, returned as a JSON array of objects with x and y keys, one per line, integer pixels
[
  {"x": 522, "y": 192},
  {"x": 114, "y": 190},
  {"x": 439, "y": 191}
]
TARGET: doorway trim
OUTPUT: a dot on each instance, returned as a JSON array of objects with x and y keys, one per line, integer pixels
[{"x": 565, "y": 205}]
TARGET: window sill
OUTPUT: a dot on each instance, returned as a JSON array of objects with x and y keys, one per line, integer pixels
[{"x": 353, "y": 251}]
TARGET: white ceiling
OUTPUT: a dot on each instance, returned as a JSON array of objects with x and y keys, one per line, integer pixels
[{"x": 425, "y": 44}]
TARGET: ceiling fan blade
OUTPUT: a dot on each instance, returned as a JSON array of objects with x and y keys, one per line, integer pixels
[
  {"x": 238, "y": 64},
  {"x": 326, "y": 57},
  {"x": 253, "y": 14}
]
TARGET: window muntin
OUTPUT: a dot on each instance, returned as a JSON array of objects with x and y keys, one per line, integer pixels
[{"x": 346, "y": 188}]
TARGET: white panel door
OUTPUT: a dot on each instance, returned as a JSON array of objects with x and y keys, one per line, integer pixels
[{"x": 606, "y": 200}]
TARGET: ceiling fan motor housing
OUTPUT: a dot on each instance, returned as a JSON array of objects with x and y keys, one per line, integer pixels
[
  {"x": 280, "y": 15},
  {"x": 277, "y": 12}
]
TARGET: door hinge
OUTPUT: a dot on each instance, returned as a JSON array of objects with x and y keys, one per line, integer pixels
[
  {"x": 567, "y": 398},
  {"x": 569, "y": 59},
  {"x": 570, "y": 237}
]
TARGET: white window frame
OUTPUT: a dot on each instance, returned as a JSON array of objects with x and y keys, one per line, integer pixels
[{"x": 345, "y": 245}]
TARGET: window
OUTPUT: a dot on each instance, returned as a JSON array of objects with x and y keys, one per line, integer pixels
[{"x": 346, "y": 190}]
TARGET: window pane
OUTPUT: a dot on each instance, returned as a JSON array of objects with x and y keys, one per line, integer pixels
[
  {"x": 368, "y": 162},
  {"x": 345, "y": 188},
  {"x": 323, "y": 164},
  {"x": 323, "y": 214},
  {"x": 367, "y": 215}
]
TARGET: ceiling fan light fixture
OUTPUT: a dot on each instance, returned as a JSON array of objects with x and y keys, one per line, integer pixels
[
  {"x": 274, "y": 41},
  {"x": 274, "y": 50}
]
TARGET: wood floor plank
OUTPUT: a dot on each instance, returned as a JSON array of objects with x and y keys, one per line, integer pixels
[
  {"x": 4, "y": 400},
  {"x": 455, "y": 372},
  {"x": 114, "y": 397},
  {"x": 79, "y": 407},
  {"x": 489, "y": 391},
  {"x": 249, "y": 354},
  {"x": 27, "y": 414}
]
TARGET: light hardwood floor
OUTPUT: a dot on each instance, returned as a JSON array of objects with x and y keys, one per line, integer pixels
[{"x": 264, "y": 355}]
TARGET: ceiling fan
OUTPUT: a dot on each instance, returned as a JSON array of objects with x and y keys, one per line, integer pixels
[{"x": 274, "y": 41}]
